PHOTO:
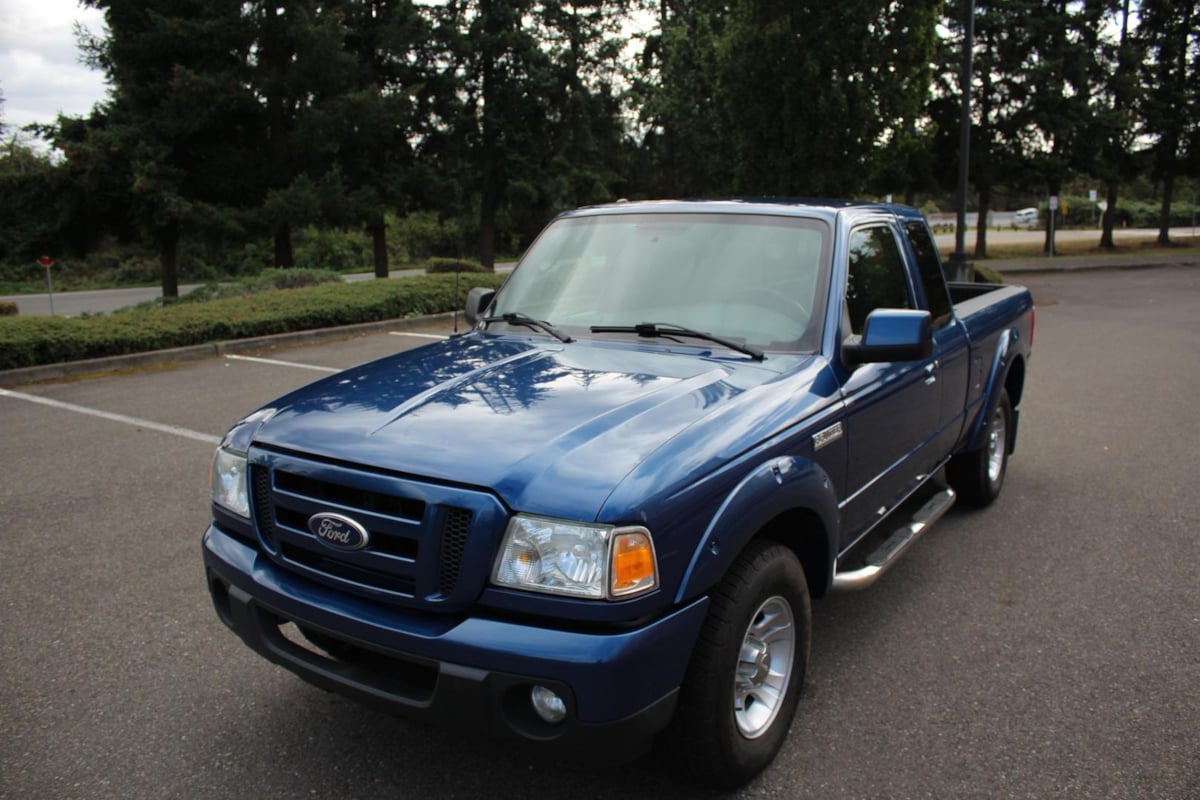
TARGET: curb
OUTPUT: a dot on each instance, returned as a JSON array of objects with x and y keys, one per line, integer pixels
[{"x": 97, "y": 366}]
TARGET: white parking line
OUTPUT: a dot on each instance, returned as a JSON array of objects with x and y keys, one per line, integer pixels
[
  {"x": 418, "y": 335},
  {"x": 175, "y": 430},
  {"x": 277, "y": 363}
]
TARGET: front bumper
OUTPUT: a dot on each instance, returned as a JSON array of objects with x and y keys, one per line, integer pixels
[{"x": 469, "y": 673}]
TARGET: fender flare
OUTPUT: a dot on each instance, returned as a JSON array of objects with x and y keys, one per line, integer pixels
[
  {"x": 774, "y": 487},
  {"x": 1002, "y": 360}
]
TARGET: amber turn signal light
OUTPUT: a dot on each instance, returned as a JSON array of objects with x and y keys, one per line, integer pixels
[{"x": 634, "y": 567}]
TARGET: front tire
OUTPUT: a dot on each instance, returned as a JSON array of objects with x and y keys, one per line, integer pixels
[
  {"x": 745, "y": 675},
  {"x": 978, "y": 475}
]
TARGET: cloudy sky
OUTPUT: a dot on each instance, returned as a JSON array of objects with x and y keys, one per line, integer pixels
[{"x": 40, "y": 73}]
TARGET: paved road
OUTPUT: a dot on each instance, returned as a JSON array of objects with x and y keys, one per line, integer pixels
[{"x": 1048, "y": 647}]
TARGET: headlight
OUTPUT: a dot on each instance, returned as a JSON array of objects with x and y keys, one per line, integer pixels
[
  {"x": 575, "y": 559},
  {"x": 229, "y": 482}
]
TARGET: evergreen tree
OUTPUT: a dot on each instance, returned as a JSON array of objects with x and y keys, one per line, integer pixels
[
  {"x": 1001, "y": 89},
  {"x": 777, "y": 97},
  {"x": 177, "y": 126},
  {"x": 687, "y": 151},
  {"x": 1056, "y": 120},
  {"x": 1116, "y": 120},
  {"x": 1170, "y": 33},
  {"x": 530, "y": 94},
  {"x": 380, "y": 113},
  {"x": 300, "y": 72}
]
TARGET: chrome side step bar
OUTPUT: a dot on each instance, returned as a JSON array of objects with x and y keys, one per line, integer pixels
[{"x": 894, "y": 546}]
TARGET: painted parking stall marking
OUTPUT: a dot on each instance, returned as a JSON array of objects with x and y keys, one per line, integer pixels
[
  {"x": 174, "y": 430},
  {"x": 278, "y": 363},
  {"x": 418, "y": 335}
]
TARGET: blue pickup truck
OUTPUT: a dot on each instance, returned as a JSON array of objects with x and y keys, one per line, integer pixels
[{"x": 596, "y": 520}]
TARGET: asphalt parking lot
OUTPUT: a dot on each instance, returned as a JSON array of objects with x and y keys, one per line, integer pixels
[{"x": 1046, "y": 647}]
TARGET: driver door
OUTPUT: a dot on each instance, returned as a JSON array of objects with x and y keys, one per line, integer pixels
[{"x": 892, "y": 408}]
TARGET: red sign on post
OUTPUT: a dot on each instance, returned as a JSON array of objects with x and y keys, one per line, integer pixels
[{"x": 46, "y": 261}]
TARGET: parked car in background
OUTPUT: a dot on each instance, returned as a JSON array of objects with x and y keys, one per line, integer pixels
[{"x": 1026, "y": 219}]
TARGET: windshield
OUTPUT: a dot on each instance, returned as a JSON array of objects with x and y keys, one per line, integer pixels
[{"x": 756, "y": 279}]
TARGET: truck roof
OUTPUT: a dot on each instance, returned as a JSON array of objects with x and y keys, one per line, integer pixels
[{"x": 821, "y": 208}]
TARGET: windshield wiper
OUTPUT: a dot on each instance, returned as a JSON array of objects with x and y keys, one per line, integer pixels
[
  {"x": 653, "y": 329},
  {"x": 517, "y": 318}
]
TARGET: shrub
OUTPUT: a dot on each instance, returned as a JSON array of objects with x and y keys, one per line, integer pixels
[
  {"x": 29, "y": 341},
  {"x": 8, "y": 309}
]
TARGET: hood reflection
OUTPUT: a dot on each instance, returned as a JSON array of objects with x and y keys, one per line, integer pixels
[{"x": 502, "y": 413}]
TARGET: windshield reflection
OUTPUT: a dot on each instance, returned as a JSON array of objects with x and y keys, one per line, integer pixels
[{"x": 752, "y": 278}]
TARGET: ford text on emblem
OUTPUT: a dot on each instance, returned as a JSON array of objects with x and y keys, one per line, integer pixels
[{"x": 341, "y": 533}]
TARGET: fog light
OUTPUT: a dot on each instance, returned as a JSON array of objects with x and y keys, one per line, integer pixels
[{"x": 548, "y": 705}]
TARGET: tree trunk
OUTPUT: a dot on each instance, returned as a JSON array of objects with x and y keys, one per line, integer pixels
[
  {"x": 1164, "y": 217},
  {"x": 985, "y": 207},
  {"x": 1118, "y": 156},
  {"x": 1051, "y": 221},
  {"x": 168, "y": 252},
  {"x": 379, "y": 247},
  {"x": 284, "y": 257},
  {"x": 1109, "y": 216}
]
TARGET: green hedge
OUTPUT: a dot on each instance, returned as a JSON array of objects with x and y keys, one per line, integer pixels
[{"x": 30, "y": 341}]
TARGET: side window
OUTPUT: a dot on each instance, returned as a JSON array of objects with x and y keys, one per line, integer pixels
[
  {"x": 930, "y": 267},
  {"x": 876, "y": 275}
]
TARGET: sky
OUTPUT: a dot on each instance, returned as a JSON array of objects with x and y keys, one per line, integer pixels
[{"x": 40, "y": 71}]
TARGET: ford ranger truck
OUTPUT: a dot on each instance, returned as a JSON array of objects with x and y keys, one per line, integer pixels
[{"x": 597, "y": 519}]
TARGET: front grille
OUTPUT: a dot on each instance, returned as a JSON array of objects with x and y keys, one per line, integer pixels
[
  {"x": 264, "y": 512},
  {"x": 330, "y": 565},
  {"x": 350, "y": 496},
  {"x": 381, "y": 541},
  {"x": 428, "y": 545},
  {"x": 456, "y": 523}
]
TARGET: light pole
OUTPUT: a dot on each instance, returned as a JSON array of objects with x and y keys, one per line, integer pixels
[{"x": 961, "y": 269}]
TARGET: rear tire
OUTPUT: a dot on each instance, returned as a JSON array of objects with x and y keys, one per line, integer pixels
[
  {"x": 978, "y": 476},
  {"x": 744, "y": 679}
]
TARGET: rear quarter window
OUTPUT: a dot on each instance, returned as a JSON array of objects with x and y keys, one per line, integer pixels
[{"x": 929, "y": 265}]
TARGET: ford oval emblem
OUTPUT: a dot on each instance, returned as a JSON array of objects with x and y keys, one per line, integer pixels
[{"x": 340, "y": 533}]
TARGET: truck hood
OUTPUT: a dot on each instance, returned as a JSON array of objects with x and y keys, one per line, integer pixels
[{"x": 551, "y": 428}]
